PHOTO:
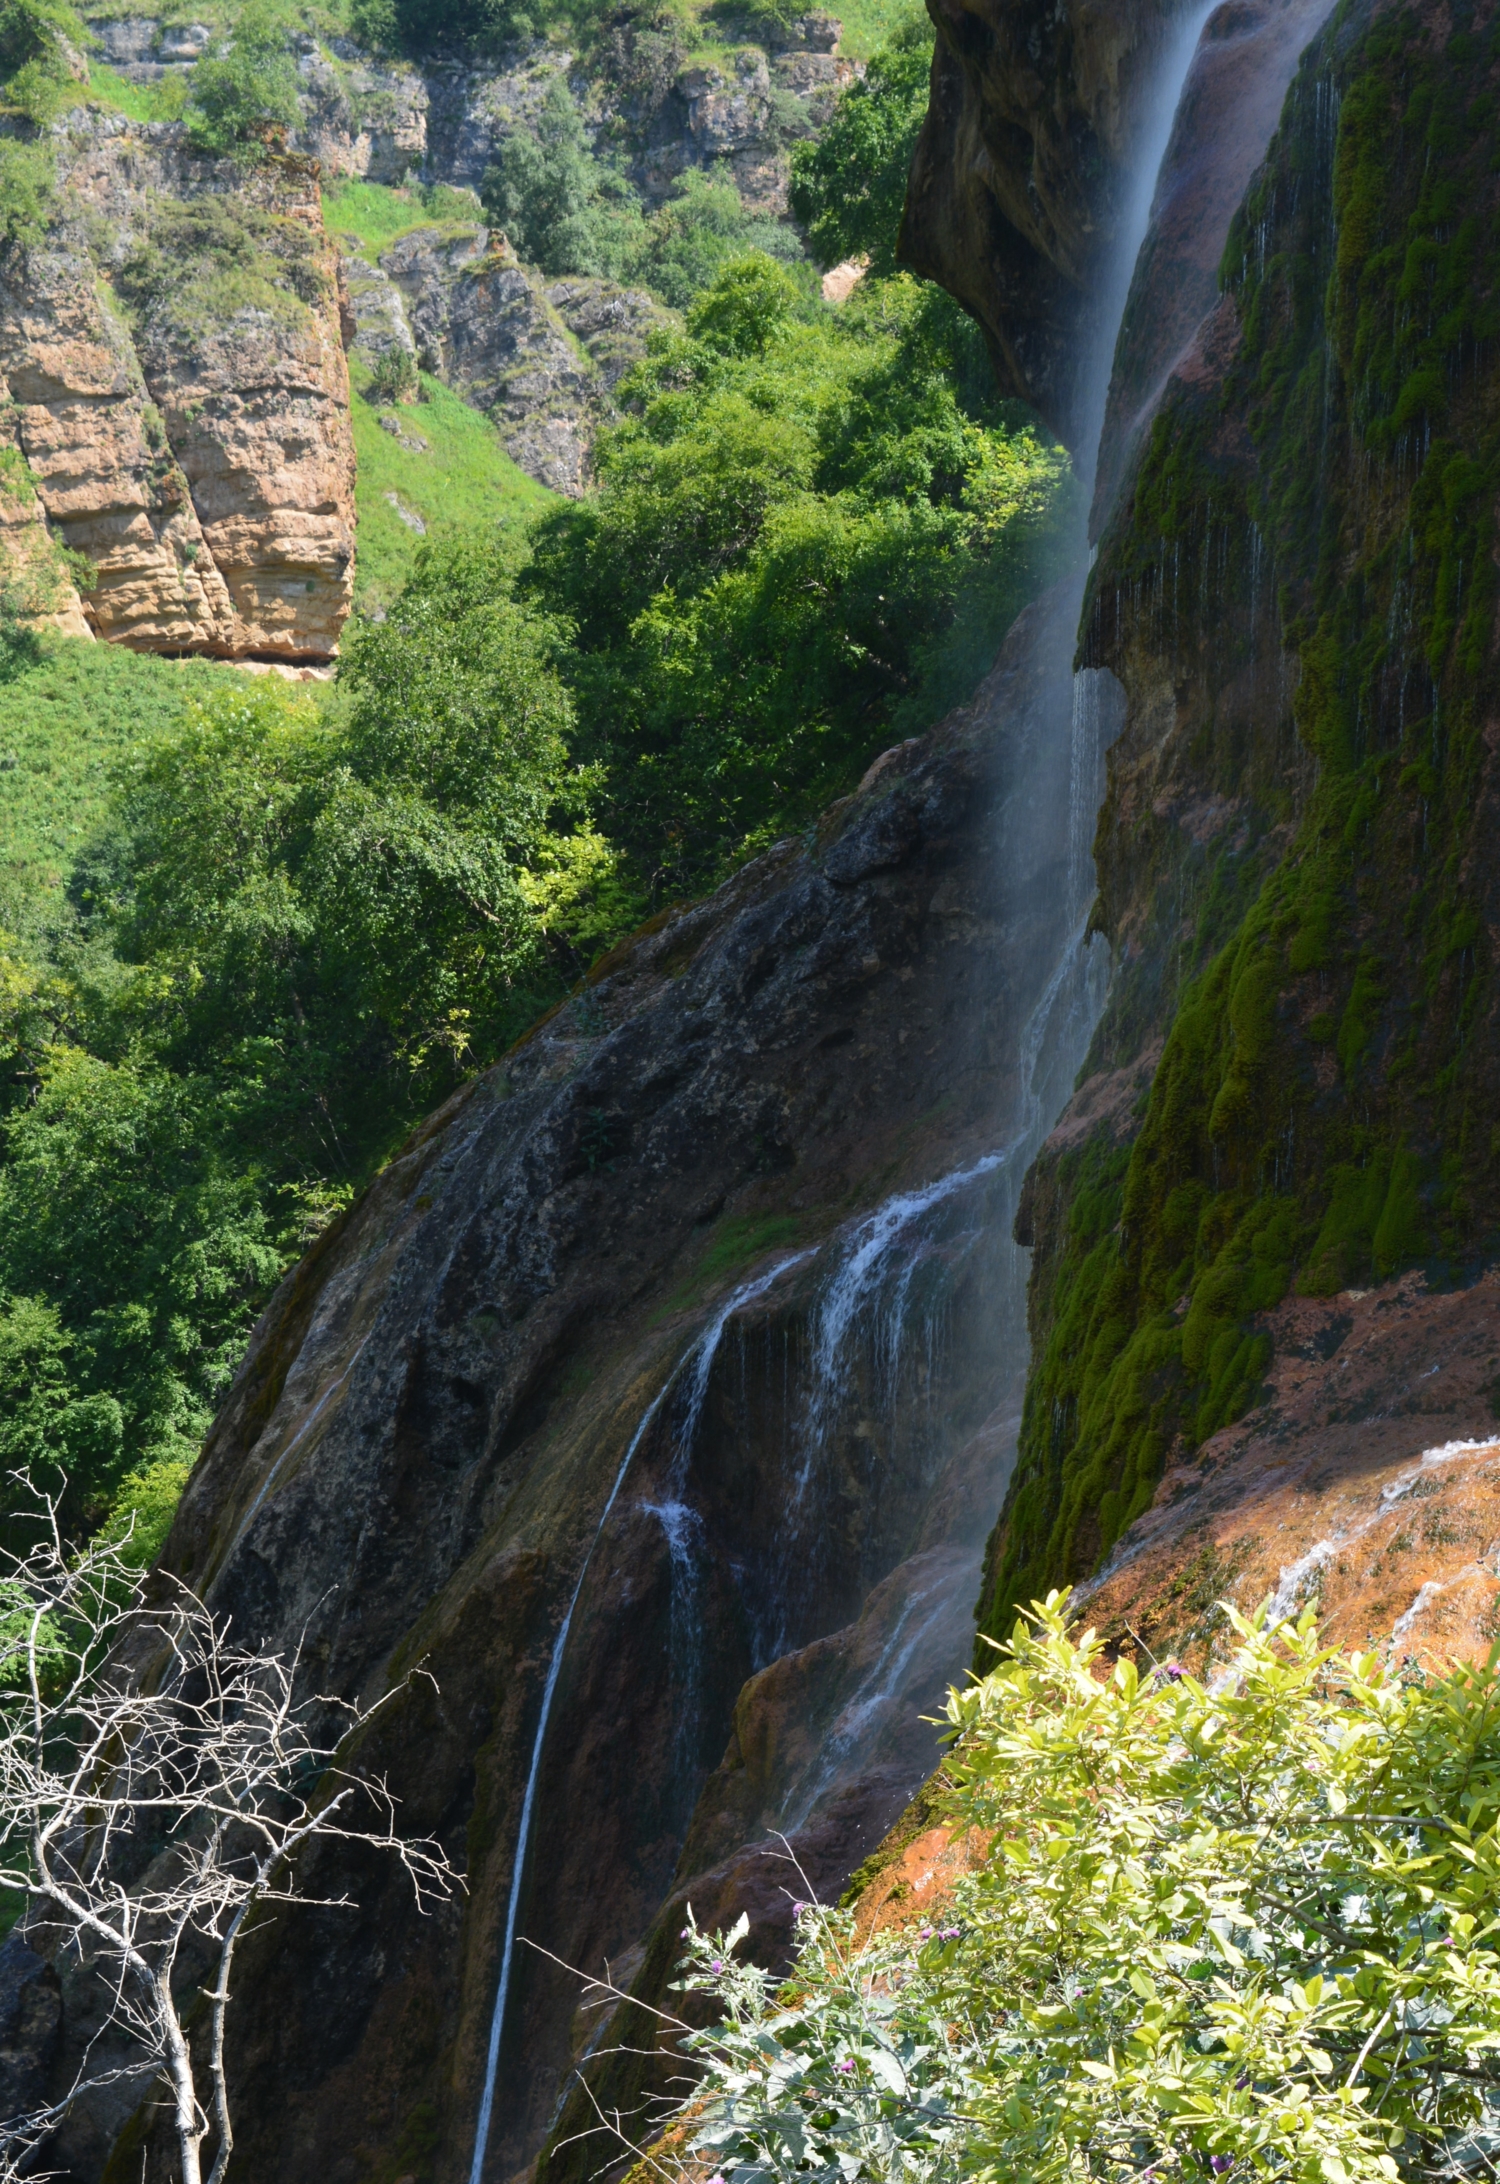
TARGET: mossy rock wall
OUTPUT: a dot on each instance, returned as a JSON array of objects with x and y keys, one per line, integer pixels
[{"x": 1297, "y": 852}]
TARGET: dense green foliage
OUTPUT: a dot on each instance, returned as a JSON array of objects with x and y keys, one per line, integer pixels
[
  {"x": 28, "y": 189},
  {"x": 41, "y": 44},
  {"x": 300, "y": 926},
  {"x": 1323, "y": 1112},
  {"x": 802, "y": 543},
  {"x": 567, "y": 210},
  {"x": 251, "y": 934},
  {"x": 1245, "y": 1933},
  {"x": 849, "y": 188},
  {"x": 244, "y": 93}
]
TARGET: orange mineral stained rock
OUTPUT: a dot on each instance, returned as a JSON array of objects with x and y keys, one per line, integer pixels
[{"x": 1362, "y": 1481}]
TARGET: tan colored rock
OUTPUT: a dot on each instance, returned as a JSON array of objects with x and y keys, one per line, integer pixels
[
  {"x": 208, "y": 476},
  {"x": 34, "y": 582}
]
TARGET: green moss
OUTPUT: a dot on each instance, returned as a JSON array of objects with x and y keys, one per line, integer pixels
[
  {"x": 1356, "y": 447},
  {"x": 732, "y": 1244}
]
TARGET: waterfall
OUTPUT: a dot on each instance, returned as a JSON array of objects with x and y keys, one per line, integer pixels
[
  {"x": 873, "y": 1286},
  {"x": 701, "y": 1353}
]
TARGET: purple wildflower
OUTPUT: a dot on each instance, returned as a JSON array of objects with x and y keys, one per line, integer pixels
[
  {"x": 925, "y": 1934},
  {"x": 846, "y": 2066},
  {"x": 687, "y": 1935},
  {"x": 718, "y": 1964},
  {"x": 1219, "y": 2163},
  {"x": 949, "y": 1933}
]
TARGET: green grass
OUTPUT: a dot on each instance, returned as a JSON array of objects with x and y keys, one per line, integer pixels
[
  {"x": 869, "y": 23},
  {"x": 69, "y": 710},
  {"x": 376, "y": 215},
  {"x": 161, "y": 101},
  {"x": 465, "y": 479}
]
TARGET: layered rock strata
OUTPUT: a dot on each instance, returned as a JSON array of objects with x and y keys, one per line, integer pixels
[{"x": 193, "y": 444}]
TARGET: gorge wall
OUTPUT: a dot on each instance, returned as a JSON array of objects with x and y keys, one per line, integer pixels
[
  {"x": 1263, "y": 1233},
  {"x": 178, "y": 396},
  {"x": 659, "y": 1393},
  {"x": 729, "y": 1231},
  {"x": 175, "y": 386}
]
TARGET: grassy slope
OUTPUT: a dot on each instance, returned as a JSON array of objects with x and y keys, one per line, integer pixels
[
  {"x": 69, "y": 710},
  {"x": 465, "y": 479}
]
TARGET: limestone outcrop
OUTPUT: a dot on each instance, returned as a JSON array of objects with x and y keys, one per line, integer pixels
[
  {"x": 541, "y": 357},
  {"x": 173, "y": 355},
  {"x": 443, "y": 120}
]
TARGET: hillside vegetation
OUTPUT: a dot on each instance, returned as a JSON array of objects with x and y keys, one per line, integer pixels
[
  {"x": 254, "y": 932},
  {"x": 1244, "y": 1932}
]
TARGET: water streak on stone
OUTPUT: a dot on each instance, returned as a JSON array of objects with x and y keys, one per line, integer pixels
[{"x": 701, "y": 1357}]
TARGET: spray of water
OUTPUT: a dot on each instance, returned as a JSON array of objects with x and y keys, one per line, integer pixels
[{"x": 1052, "y": 1048}]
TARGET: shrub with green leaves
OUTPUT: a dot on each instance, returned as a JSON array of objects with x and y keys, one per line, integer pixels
[
  {"x": 560, "y": 207},
  {"x": 395, "y": 377},
  {"x": 1245, "y": 1931},
  {"x": 848, "y": 188},
  {"x": 805, "y": 542},
  {"x": 28, "y": 190},
  {"x": 40, "y": 57},
  {"x": 244, "y": 93}
]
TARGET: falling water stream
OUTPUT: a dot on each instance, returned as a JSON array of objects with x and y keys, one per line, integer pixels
[
  {"x": 868, "y": 1293},
  {"x": 701, "y": 1357}
]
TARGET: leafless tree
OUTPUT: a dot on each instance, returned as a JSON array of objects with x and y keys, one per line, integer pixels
[{"x": 157, "y": 1784}]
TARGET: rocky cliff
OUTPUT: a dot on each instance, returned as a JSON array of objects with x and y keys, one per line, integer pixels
[
  {"x": 657, "y": 1394},
  {"x": 663, "y": 1343},
  {"x": 1261, "y": 1296},
  {"x": 542, "y": 357},
  {"x": 173, "y": 361}
]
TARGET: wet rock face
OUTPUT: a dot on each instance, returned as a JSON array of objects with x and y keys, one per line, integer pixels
[
  {"x": 1369, "y": 1477},
  {"x": 1230, "y": 106},
  {"x": 646, "y": 1235},
  {"x": 1244, "y": 1187},
  {"x": 1021, "y": 173},
  {"x": 207, "y": 472}
]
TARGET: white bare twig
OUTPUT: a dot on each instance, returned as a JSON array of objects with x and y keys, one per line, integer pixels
[{"x": 157, "y": 1785}]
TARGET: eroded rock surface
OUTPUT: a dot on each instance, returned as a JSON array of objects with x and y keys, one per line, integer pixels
[
  {"x": 204, "y": 466},
  {"x": 541, "y": 357},
  {"x": 1262, "y": 1299},
  {"x": 639, "y": 1244},
  {"x": 1022, "y": 174}
]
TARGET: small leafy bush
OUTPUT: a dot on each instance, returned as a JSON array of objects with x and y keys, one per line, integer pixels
[
  {"x": 848, "y": 188},
  {"x": 244, "y": 95},
  {"x": 1243, "y": 1932},
  {"x": 395, "y": 377},
  {"x": 39, "y": 58},
  {"x": 28, "y": 190}
]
